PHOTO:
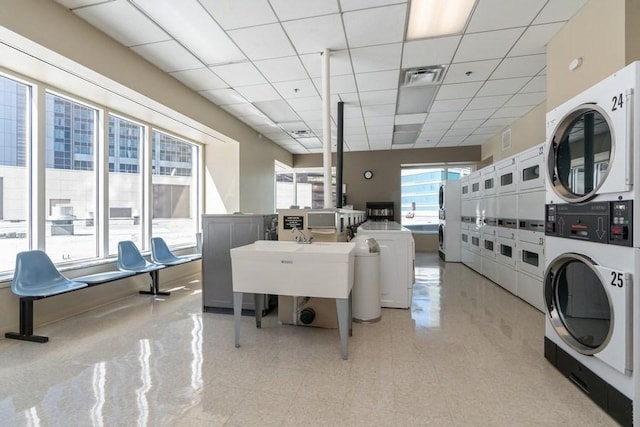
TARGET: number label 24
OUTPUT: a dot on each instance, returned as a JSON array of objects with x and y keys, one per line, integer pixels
[
  {"x": 617, "y": 102},
  {"x": 617, "y": 279}
]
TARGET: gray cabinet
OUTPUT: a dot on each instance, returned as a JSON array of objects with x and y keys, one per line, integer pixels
[{"x": 221, "y": 233}]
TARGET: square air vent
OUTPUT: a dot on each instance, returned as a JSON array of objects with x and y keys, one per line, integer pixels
[
  {"x": 420, "y": 76},
  {"x": 303, "y": 133},
  {"x": 506, "y": 139}
]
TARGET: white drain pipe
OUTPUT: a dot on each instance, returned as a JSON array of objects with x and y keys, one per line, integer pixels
[{"x": 326, "y": 129}]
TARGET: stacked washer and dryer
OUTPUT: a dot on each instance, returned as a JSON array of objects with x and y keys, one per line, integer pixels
[
  {"x": 488, "y": 222},
  {"x": 449, "y": 244},
  {"x": 592, "y": 247}
]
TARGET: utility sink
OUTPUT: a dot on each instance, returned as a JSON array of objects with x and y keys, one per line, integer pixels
[{"x": 322, "y": 269}]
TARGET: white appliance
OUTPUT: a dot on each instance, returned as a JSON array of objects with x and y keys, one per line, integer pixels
[
  {"x": 590, "y": 153},
  {"x": 488, "y": 185},
  {"x": 506, "y": 176},
  {"x": 397, "y": 259},
  {"x": 530, "y": 244},
  {"x": 465, "y": 244},
  {"x": 588, "y": 305},
  {"x": 475, "y": 180},
  {"x": 506, "y": 275},
  {"x": 530, "y": 164},
  {"x": 450, "y": 218},
  {"x": 488, "y": 255}
]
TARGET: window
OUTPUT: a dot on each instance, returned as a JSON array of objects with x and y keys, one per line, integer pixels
[
  {"x": 303, "y": 188},
  {"x": 174, "y": 180},
  {"x": 70, "y": 179},
  {"x": 14, "y": 146},
  {"x": 125, "y": 182},
  {"x": 420, "y": 188}
]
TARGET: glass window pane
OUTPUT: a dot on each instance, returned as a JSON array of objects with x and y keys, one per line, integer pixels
[
  {"x": 285, "y": 190},
  {"x": 125, "y": 182},
  {"x": 14, "y": 141},
  {"x": 70, "y": 179},
  {"x": 420, "y": 195},
  {"x": 174, "y": 181}
]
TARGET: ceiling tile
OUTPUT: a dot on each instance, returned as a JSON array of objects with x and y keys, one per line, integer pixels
[
  {"x": 481, "y": 114},
  {"x": 536, "y": 84},
  {"x": 314, "y": 35},
  {"x": 437, "y": 126},
  {"x": 264, "y": 92},
  {"x": 339, "y": 64},
  {"x": 494, "y": 14},
  {"x": 449, "y": 105},
  {"x": 480, "y": 71},
  {"x": 559, "y": 10},
  {"x": 378, "y": 80},
  {"x": 378, "y": 97},
  {"x": 515, "y": 112},
  {"x": 123, "y": 22},
  {"x": 522, "y": 99},
  {"x": 520, "y": 66},
  {"x": 338, "y": 84},
  {"x": 460, "y": 133},
  {"x": 535, "y": 39},
  {"x": 426, "y": 52},
  {"x": 467, "y": 124},
  {"x": 404, "y": 119},
  {"x": 303, "y": 104},
  {"x": 282, "y": 69},
  {"x": 223, "y": 96},
  {"x": 492, "y": 44},
  {"x": 310, "y": 115},
  {"x": 442, "y": 117},
  {"x": 245, "y": 110},
  {"x": 376, "y": 58},
  {"x": 190, "y": 24},
  {"x": 375, "y": 26},
  {"x": 296, "y": 89},
  {"x": 72, "y": 4},
  {"x": 449, "y": 141},
  {"x": 199, "y": 79},
  {"x": 240, "y": 74},
  {"x": 500, "y": 121},
  {"x": 475, "y": 140},
  {"x": 296, "y": 9},
  {"x": 503, "y": 86},
  {"x": 347, "y": 5},
  {"x": 479, "y": 103},
  {"x": 263, "y": 42},
  {"x": 458, "y": 90},
  {"x": 278, "y": 111},
  {"x": 490, "y": 129},
  {"x": 379, "y": 110},
  {"x": 429, "y": 133},
  {"x": 168, "y": 56},
  {"x": 239, "y": 14}
]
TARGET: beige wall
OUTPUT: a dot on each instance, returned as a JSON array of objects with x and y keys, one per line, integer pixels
[
  {"x": 597, "y": 35},
  {"x": 525, "y": 133},
  {"x": 385, "y": 185}
]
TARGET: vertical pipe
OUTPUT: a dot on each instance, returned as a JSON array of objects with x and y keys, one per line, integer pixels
[
  {"x": 326, "y": 129},
  {"x": 589, "y": 152},
  {"x": 340, "y": 152}
]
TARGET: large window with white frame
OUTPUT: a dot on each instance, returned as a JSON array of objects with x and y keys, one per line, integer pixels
[
  {"x": 15, "y": 123},
  {"x": 302, "y": 187},
  {"x": 152, "y": 179},
  {"x": 419, "y": 190}
]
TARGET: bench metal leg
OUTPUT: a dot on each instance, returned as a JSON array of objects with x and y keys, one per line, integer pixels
[
  {"x": 237, "y": 316},
  {"x": 155, "y": 286},
  {"x": 26, "y": 324}
]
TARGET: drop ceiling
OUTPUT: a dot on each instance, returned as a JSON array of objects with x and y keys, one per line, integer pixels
[{"x": 260, "y": 61}]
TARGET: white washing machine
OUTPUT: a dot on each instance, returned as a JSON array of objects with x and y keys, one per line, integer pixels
[
  {"x": 488, "y": 186},
  {"x": 530, "y": 163},
  {"x": 475, "y": 181},
  {"x": 506, "y": 176},
  {"x": 506, "y": 274},
  {"x": 465, "y": 191},
  {"x": 449, "y": 228},
  {"x": 590, "y": 141},
  {"x": 531, "y": 262},
  {"x": 397, "y": 261},
  {"x": 590, "y": 265}
]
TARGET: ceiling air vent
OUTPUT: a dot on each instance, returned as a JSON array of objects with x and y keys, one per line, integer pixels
[
  {"x": 506, "y": 139},
  {"x": 421, "y": 76},
  {"x": 305, "y": 133}
]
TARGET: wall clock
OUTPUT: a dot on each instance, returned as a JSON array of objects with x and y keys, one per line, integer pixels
[{"x": 368, "y": 174}]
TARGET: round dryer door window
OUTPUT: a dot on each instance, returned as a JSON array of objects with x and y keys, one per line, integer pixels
[
  {"x": 581, "y": 153},
  {"x": 441, "y": 236},
  {"x": 441, "y": 197},
  {"x": 577, "y": 303}
]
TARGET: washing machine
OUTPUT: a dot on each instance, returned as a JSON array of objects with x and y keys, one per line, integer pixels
[
  {"x": 506, "y": 176},
  {"x": 590, "y": 265},
  {"x": 475, "y": 181},
  {"x": 449, "y": 227},
  {"x": 530, "y": 164},
  {"x": 590, "y": 138},
  {"x": 505, "y": 266},
  {"x": 488, "y": 177}
]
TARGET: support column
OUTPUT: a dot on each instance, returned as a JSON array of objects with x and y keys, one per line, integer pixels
[{"x": 326, "y": 129}]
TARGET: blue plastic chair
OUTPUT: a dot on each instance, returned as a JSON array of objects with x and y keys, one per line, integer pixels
[
  {"x": 36, "y": 276},
  {"x": 130, "y": 259},
  {"x": 161, "y": 254}
]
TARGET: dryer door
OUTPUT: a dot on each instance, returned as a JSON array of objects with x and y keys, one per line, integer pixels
[
  {"x": 580, "y": 158},
  {"x": 589, "y": 306},
  {"x": 441, "y": 197},
  {"x": 441, "y": 236}
]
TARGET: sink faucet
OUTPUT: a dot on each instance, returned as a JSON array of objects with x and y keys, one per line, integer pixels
[{"x": 301, "y": 237}]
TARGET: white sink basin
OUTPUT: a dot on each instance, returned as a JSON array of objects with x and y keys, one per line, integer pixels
[{"x": 320, "y": 269}]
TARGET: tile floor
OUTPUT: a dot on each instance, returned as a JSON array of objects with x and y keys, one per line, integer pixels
[{"x": 468, "y": 353}]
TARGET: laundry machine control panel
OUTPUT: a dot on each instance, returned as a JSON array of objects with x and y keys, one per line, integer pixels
[{"x": 601, "y": 222}]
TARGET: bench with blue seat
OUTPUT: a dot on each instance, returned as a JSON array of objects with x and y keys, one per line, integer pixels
[
  {"x": 36, "y": 277},
  {"x": 161, "y": 254}
]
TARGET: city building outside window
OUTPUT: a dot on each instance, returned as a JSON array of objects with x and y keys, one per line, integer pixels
[
  {"x": 420, "y": 188},
  {"x": 14, "y": 179}
]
